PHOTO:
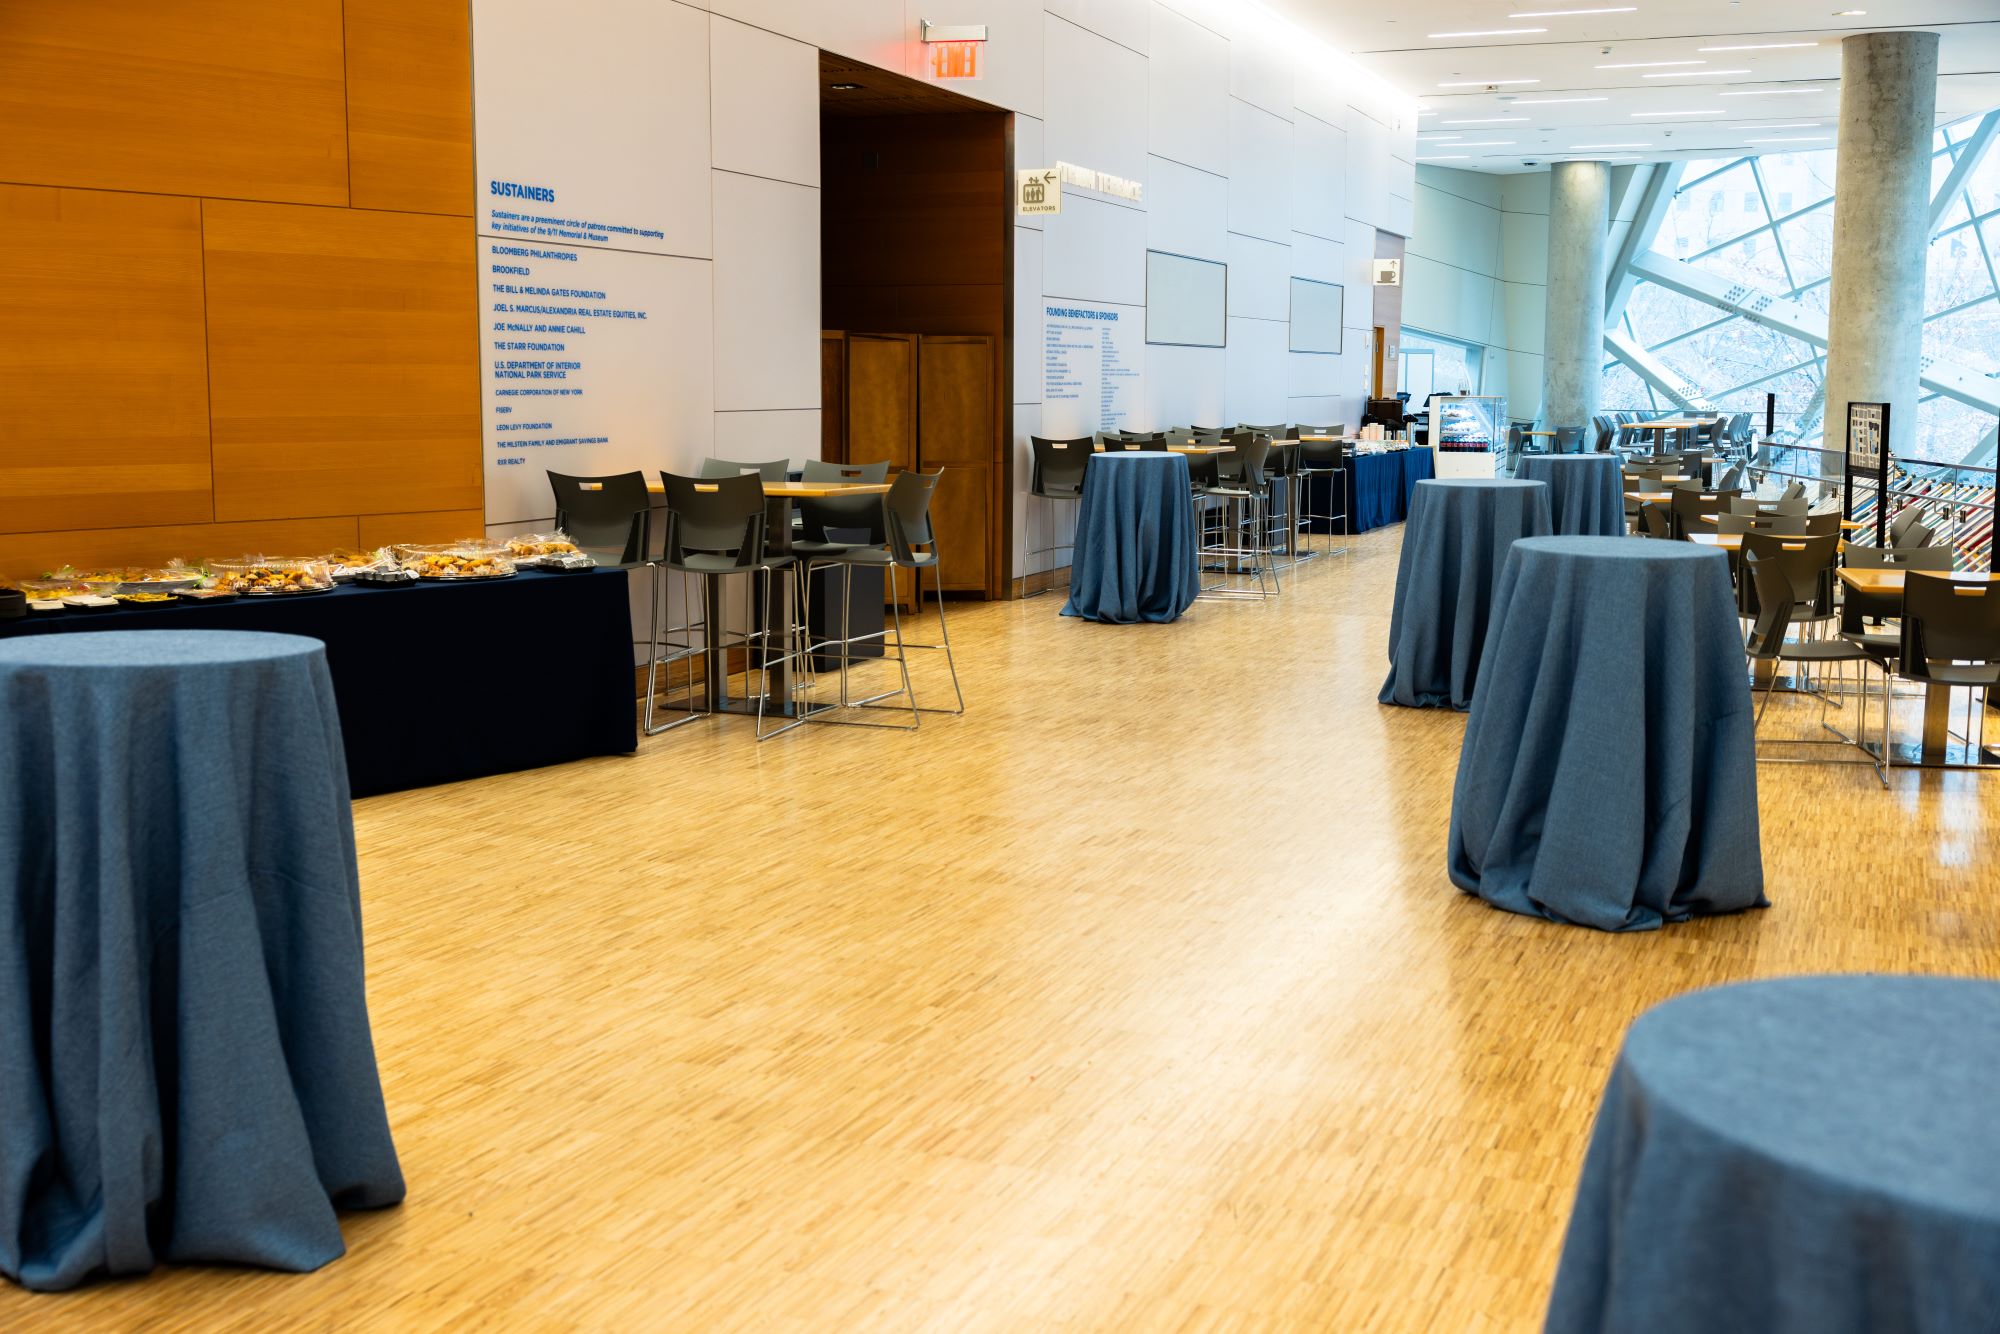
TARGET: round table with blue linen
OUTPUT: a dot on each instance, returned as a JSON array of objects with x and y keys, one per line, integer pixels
[
  {"x": 186, "y": 1067},
  {"x": 1135, "y": 557},
  {"x": 1811, "y": 1155},
  {"x": 1608, "y": 776},
  {"x": 1454, "y": 547},
  {"x": 1586, "y": 492}
]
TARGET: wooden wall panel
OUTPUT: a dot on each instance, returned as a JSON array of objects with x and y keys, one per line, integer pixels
[
  {"x": 409, "y": 105},
  {"x": 242, "y": 99},
  {"x": 342, "y": 353},
  {"x": 882, "y": 399},
  {"x": 26, "y": 555},
  {"x": 379, "y": 530},
  {"x": 103, "y": 374}
]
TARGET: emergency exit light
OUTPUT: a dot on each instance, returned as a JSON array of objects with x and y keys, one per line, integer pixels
[{"x": 953, "y": 52}]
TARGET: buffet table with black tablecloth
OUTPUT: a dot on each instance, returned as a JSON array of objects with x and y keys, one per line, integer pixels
[
  {"x": 1379, "y": 488},
  {"x": 443, "y": 681}
]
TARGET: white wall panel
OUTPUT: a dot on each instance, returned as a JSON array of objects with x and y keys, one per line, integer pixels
[
  {"x": 1259, "y": 371},
  {"x": 1456, "y": 231},
  {"x": 1260, "y": 274},
  {"x": 1095, "y": 251},
  {"x": 1367, "y": 168},
  {"x": 1262, "y": 56},
  {"x": 1321, "y": 260},
  {"x": 1397, "y": 217},
  {"x": 1125, "y": 22},
  {"x": 1188, "y": 92},
  {"x": 1316, "y": 374},
  {"x": 870, "y": 30},
  {"x": 1358, "y": 256},
  {"x": 756, "y": 437},
  {"x": 1189, "y": 211},
  {"x": 1260, "y": 173},
  {"x": 765, "y": 93},
  {"x": 1027, "y": 315},
  {"x": 646, "y": 385},
  {"x": 1188, "y": 386},
  {"x": 1524, "y": 247},
  {"x": 766, "y": 293},
  {"x": 617, "y": 124},
  {"x": 1319, "y": 177},
  {"x": 1447, "y": 300},
  {"x": 1094, "y": 103}
]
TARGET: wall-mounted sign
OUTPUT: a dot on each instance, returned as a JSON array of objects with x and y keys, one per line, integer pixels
[
  {"x": 1038, "y": 190},
  {"x": 1101, "y": 181},
  {"x": 1868, "y": 458},
  {"x": 1388, "y": 273},
  {"x": 952, "y": 52}
]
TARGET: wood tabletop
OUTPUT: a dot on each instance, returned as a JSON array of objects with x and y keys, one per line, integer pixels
[
  {"x": 1672, "y": 424},
  {"x": 1847, "y": 525},
  {"x": 806, "y": 490},
  {"x": 1733, "y": 541},
  {"x": 1891, "y": 581},
  {"x": 1189, "y": 448},
  {"x": 1550, "y": 434},
  {"x": 1651, "y": 497}
]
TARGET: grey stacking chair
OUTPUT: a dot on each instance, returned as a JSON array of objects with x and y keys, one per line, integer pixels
[
  {"x": 1776, "y": 595},
  {"x": 1236, "y": 496},
  {"x": 611, "y": 513},
  {"x": 1323, "y": 459},
  {"x": 775, "y": 470},
  {"x": 1569, "y": 440},
  {"x": 1056, "y": 474}
]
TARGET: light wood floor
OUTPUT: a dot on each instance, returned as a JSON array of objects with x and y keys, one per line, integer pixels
[{"x": 1135, "y": 999}]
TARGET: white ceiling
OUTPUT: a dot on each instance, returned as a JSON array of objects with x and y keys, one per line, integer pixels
[{"x": 1714, "y": 108}]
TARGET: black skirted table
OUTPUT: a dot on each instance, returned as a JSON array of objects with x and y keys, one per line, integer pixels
[
  {"x": 443, "y": 681},
  {"x": 1811, "y": 1155},
  {"x": 1135, "y": 557},
  {"x": 1454, "y": 548},
  {"x": 186, "y": 1067},
  {"x": 1586, "y": 492},
  {"x": 1608, "y": 776}
]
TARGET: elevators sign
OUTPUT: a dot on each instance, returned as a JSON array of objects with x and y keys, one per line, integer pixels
[{"x": 1038, "y": 191}]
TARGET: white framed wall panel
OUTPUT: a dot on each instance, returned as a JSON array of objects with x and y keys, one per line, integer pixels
[
  {"x": 1260, "y": 173},
  {"x": 1188, "y": 92},
  {"x": 608, "y": 109},
  {"x": 765, "y": 98},
  {"x": 767, "y": 279}
]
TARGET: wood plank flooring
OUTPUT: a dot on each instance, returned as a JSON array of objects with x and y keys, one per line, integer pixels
[{"x": 1137, "y": 998}]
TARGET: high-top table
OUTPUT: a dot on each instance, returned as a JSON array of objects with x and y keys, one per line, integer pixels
[
  {"x": 1812, "y": 1155},
  {"x": 1608, "y": 776},
  {"x": 1454, "y": 547},
  {"x": 1135, "y": 557},
  {"x": 186, "y": 1068},
  {"x": 1585, "y": 492}
]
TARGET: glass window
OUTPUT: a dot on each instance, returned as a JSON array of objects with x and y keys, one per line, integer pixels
[
  {"x": 1808, "y": 242},
  {"x": 1749, "y": 201},
  {"x": 1784, "y": 201},
  {"x": 1454, "y": 367}
]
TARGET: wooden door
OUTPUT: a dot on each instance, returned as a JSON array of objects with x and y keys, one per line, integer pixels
[
  {"x": 833, "y": 395},
  {"x": 882, "y": 399},
  {"x": 958, "y": 433}
]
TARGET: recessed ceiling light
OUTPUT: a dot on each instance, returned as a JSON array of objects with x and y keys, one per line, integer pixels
[
  {"x": 1693, "y": 73},
  {"x": 1444, "y": 157},
  {"x": 1758, "y": 46},
  {"x": 1485, "y": 143},
  {"x": 1565, "y": 13},
  {"x": 1770, "y": 92},
  {"x": 1488, "y": 32},
  {"x": 1639, "y": 115},
  {"x": 1653, "y": 64},
  {"x": 1553, "y": 101},
  {"x": 1843, "y": 13},
  {"x": 1578, "y": 148},
  {"x": 845, "y": 87},
  {"x": 1792, "y": 139},
  {"x": 1788, "y": 125},
  {"x": 1487, "y": 120},
  {"x": 1485, "y": 83}
]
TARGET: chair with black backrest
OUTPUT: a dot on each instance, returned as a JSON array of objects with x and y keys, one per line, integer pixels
[
  {"x": 1916, "y": 537},
  {"x": 1950, "y": 637},
  {"x": 1796, "y": 491},
  {"x": 1225, "y": 492},
  {"x": 1281, "y": 476},
  {"x": 1808, "y": 562},
  {"x": 1787, "y": 504},
  {"x": 1783, "y": 525},
  {"x": 909, "y": 542},
  {"x": 1734, "y": 523},
  {"x": 775, "y": 470},
  {"x": 1569, "y": 440},
  {"x": 1907, "y": 518},
  {"x": 1275, "y": 432},
  {"x": 1822, "y": 523},
  {"x": 1654, "y": 517},
  {"x": 1732, "y": 480},
  {"x": 1746, "y": 505},
  {"x": 1323, "y": 460},
  {"x": 1859, "y": 606},
  {"x": 1768, "y": 643},
  {"x": 1600, "y": 427},
  {"x": 1688, "y": 505},
  {"x": 716, "y": 527},
  {"x": 1056, "y": 474},
  {"x": 610, "y": 513},
  {"x": 1242, "y": 468}
]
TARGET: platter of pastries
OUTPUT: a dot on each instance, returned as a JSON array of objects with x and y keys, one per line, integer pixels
[
  {"x": 456, "y": 561},
  {"x": 257, "y": 576},
  {"x": 547, "y": 551}
]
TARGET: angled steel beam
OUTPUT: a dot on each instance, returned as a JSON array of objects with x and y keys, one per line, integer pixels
[
  {"x": 1809, "y": 326},
  {"x": 1653, "y": 206},
  {"x": 1969, "y": 154},
  {"x": 1656, "y": 373}
]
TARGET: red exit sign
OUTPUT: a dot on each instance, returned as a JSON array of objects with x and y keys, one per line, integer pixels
[{"x": 954, "y": 60}]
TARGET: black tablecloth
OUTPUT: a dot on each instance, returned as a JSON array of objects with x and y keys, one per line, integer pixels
[
  {"x": 186, "y": 1069},
  {"x": 444, "y": 681}
]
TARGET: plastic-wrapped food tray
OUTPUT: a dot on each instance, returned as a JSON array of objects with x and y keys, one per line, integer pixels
[{"x": 259, "y": 576}]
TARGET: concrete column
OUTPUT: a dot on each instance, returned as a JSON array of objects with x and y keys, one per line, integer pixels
[
  {"x": 1881, "y": 231},
  {"x": 1573, "y": 332}
]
